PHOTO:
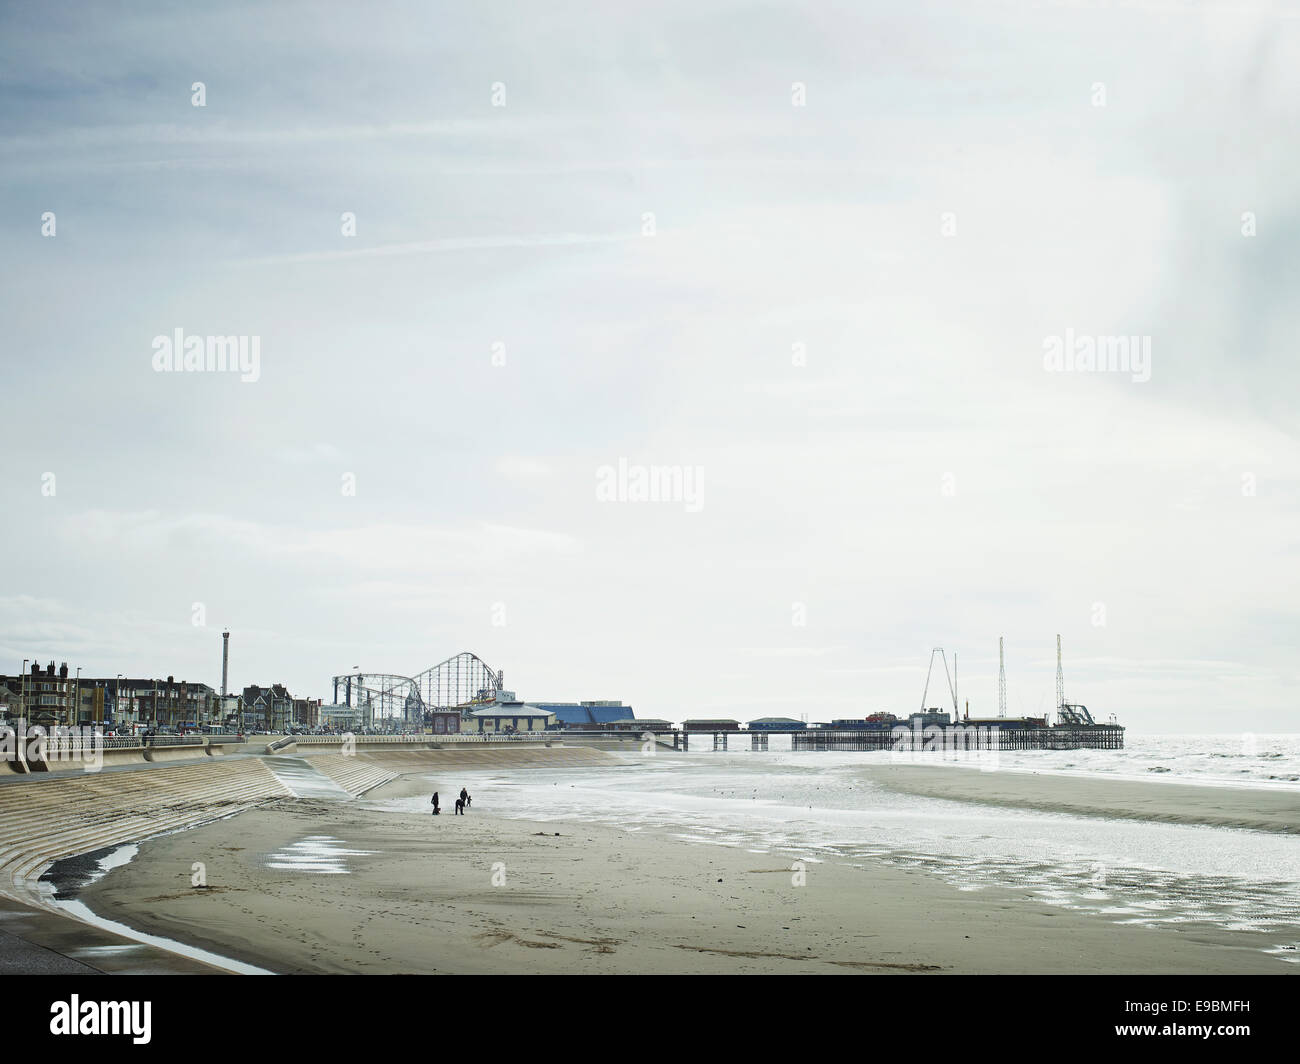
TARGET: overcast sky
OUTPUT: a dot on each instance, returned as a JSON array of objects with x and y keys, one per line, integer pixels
[{"x": 838, "y": 324}]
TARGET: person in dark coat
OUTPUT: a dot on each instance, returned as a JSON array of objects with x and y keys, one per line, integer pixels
[{"x": 436, "y": 810}]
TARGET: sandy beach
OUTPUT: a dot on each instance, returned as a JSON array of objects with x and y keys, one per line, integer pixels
[
  {"x": 487, "y": 894},
  {"x": 1255, "y": 809}
]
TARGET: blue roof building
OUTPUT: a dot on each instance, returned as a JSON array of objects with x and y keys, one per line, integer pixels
[{"x": 587, "y": 714}]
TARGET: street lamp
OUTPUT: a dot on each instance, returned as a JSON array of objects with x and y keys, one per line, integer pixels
[
  {"x": 22, "y": 692},
  {"x": 76, "y": 701}
]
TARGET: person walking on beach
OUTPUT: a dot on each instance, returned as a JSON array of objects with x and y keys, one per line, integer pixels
[
  {"x": 436, "y": 810},
  {"x": 460, "y": 806},
  {"x": 468, "y": 800}
]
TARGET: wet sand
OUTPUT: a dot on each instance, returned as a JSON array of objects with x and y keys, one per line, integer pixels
[
  {"x": 485, "y": 894},
  {"x": 1257, "y": 809}
]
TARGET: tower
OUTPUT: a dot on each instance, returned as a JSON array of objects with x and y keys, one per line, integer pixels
[
  {"x": 225, "y": 661},
  {"x": 1002, "y": 682}
]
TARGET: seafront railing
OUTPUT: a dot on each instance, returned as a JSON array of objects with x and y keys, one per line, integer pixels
[
  {"x": 491, "y": 737},
  {"x": 64, "y": 750},
  {"x": 431, "y": 737},
  {"x": 82, "y": 741}
]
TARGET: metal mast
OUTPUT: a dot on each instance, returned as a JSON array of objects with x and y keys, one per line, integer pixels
[
  {"x": 1002, "y": 682},
  {"x": 1060, "y": 676}
]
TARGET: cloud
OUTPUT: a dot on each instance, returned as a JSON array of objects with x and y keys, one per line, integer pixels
[
  {"x": 410, "y": 547},
  {"x": 309, "y": 453},
  {"x": 428, "y": 247},
  {"x": 521, "y": 467},
  {"x": 776, "y": 226}
]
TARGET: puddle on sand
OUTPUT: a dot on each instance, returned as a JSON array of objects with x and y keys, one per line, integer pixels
[
  {"x": 106, "y": 951},
  {"x": 318, "y": 854}
]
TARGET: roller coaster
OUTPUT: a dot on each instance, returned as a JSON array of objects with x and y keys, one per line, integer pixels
[{"x": 459, "y": 683}]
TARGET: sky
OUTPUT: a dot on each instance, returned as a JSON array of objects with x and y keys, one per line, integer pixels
[{"x": 808, "y": 261}]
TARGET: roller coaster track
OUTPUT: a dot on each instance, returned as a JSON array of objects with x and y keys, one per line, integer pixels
[{"x": 461, "y": 681}]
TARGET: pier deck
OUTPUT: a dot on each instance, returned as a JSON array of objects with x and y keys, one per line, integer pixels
[{"x": 1082, "y": 737}]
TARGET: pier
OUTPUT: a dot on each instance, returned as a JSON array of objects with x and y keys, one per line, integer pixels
[
  {"x": 1084, "y": 737},
  {"x": 1080, "y": 737}
]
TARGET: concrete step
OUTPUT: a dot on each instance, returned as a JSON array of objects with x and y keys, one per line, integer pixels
[
  {"x": 352, "y": 773},
  {"x": 305, "y": 780},
  {"x": 68, "y": 815}
]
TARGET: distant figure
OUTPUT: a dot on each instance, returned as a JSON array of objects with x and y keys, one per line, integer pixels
[
  {"x": 436, "y": 810},
  {"x": 468, "y": 800},
  {"x": 460, "y": 806},
  {"x": 464, "y": 796}
]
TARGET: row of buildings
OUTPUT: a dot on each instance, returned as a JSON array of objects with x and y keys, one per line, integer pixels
[
  {"x": 45, "y": 695},
  {"x": 48, "y": 696}
]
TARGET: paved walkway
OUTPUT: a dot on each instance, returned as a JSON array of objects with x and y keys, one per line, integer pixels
[
  {"x": 20, "y": 957},
  {"x": 33, "y": 942}
]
